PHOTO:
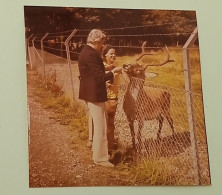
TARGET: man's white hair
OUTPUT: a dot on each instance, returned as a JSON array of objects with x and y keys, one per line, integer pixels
[{"x": 95, "y": 36}]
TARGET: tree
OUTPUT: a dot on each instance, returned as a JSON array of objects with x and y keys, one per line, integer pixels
[{"x": 114, "y": 21}]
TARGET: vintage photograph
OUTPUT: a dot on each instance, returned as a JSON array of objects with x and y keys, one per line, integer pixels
[{"x": 114, "y": 98}]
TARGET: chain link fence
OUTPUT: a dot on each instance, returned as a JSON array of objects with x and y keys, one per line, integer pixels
[
  {"x": 56, "y": 69},
  {"x": 173, "y": 150}
]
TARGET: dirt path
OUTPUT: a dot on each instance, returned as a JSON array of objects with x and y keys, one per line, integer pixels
[{"x": 57, "y": 157}]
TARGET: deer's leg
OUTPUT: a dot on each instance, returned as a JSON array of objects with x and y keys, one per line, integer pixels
[
  {"x": 166, "y": 110},
  {"x": 132, "y": 133},
  {"x": 160, "y": 119},
  {"x": 170, "y": 121},
  {"x": 139, "y": 135}
]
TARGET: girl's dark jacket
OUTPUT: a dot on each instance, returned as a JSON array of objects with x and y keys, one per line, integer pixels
[{"x": 92, "y": 76}]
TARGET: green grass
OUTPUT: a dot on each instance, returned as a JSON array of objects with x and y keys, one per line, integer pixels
[
  {"x": 152, "y": 172},
  {"x": 162, "y": 171},
  {"x": 65, "y": 111}
]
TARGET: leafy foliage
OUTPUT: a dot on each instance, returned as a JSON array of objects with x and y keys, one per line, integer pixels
[{"x": 58, "y": 19}]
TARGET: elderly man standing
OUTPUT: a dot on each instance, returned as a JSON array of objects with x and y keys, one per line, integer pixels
[{"x": 93, "y": 90}]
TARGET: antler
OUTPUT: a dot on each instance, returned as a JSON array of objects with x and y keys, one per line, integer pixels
[
  {"x": 143, "y": 53},
  {"x": 162, "y": 63}
]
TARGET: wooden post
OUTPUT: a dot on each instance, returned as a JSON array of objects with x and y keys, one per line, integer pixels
[
  {"x": 42, "y": 53},
  {"x": 186, "y": 63},
  {"x": 69, "y": 60}
]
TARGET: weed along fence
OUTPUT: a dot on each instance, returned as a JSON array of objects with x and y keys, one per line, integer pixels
[{"x": 181, "y": 153}]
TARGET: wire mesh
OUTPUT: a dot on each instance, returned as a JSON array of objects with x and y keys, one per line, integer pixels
[
  {"x": 173, "y": 149},
  {"x": 57, "y": 68}
]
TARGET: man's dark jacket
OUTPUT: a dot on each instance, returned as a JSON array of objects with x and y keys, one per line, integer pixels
[{"x": 92, "y": 76}]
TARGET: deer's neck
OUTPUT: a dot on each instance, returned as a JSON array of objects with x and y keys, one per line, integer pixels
[{"x": 135, "y": 87}]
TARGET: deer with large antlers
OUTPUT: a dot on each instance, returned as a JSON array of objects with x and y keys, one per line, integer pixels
[{"x": 143, "y": 103}]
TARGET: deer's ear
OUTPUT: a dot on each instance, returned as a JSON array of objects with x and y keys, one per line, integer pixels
[{"x": 126, "y": 67}]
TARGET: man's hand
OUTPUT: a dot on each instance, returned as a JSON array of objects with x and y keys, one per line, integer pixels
[{"x": 117, "y": 70}]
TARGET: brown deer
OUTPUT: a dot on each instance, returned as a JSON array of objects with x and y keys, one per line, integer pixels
[{"x": 143, "y": 103}]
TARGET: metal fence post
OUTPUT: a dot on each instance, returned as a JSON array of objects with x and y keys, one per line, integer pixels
[
  {"x": 42, "y": 53},
  {"x": 187, "y": 75},
  {"x": 69, "y": 60},
  {"x": 32, "y": 59},
  {"x": 28, "y": 49},
  {"x": 33, "y": 43}
]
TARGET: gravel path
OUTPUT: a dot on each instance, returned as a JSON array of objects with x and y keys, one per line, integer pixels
[{"x": 57, "y": 156}]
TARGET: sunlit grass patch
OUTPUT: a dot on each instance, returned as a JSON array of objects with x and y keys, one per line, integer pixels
[
  {"x": 151, "y": 172},
  {"x": 170, "y": 74},
  {"x": 65, "y": 111}
]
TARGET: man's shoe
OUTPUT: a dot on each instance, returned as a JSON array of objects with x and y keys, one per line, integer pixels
[
  {"x": 104, "y": 164},
  {"x": 116, "y": 157},
  {"x": 89, "y": 144}
]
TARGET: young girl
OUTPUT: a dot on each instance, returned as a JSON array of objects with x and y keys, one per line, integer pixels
[{"x": 109, "y": 57}]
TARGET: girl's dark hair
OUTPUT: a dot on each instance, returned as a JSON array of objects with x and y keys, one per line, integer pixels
[{"x": 105, "y": 51}]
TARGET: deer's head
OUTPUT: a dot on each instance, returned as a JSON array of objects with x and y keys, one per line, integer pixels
[
  {"x": 134, "y": 70},
  {"x": 137, "y": 70}
]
